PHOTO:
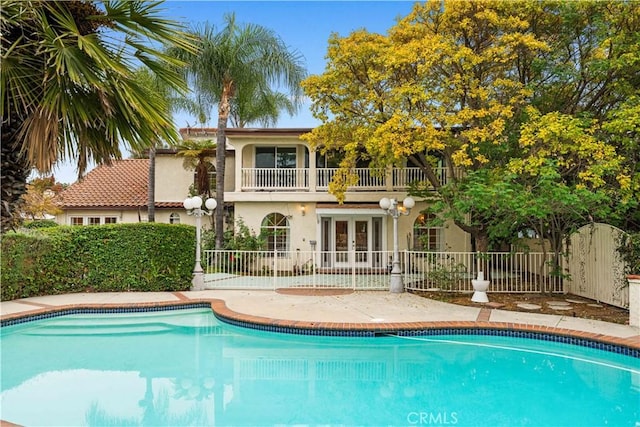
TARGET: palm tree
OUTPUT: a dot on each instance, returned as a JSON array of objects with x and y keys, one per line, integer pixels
[
  {"x": 239, "y": 59},
  {"x": 156, "y": 88},
  {"x": 68, "y": 84},
  {"x": 197, "y": 155},
  {"x": 251, "y": 106},
  {"x": 173, "y": 101}
]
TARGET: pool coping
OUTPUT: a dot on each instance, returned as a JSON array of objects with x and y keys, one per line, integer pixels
[{"x": 413, "y": 328}]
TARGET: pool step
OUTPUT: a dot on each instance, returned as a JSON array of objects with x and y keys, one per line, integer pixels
[
  {"x": 99, "y": 329},
  {"x": 124, "y": 323}
]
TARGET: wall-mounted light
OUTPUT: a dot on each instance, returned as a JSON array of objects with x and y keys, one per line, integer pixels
[{"x": 303, "y": 210}]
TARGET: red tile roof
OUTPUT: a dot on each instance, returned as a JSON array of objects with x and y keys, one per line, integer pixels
[
  {"x": 173, "y": 205},
  {"x": 122, "y": 184}
]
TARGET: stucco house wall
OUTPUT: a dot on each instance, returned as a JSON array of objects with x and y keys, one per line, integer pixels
[
  {"x": 121, "y": 215},
  {"x": 172, "y": 179},
  {"x": 295, "y": 191}
]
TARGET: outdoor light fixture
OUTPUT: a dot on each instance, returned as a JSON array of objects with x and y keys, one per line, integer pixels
[
  {"x": 390, "y": 207},
  {"x": 303, "y": 210},
  {"x": 193, "y": 205}
]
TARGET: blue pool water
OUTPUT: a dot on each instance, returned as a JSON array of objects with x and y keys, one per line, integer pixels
[{"x": 184, "y": 367}]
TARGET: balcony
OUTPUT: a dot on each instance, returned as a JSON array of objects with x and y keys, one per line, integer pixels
[
  {"x": 300, "y": 179},
  {"x": 274, "y": 179}
]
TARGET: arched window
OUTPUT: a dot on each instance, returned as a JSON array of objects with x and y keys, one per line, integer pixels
[
  {"x": 174, "y": 218},
  {"x": 275, "y": 229},
  {"x": 212, "y": 178},
  {"x": 427, "y": 237}
]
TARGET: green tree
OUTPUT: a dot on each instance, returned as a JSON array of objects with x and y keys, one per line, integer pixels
[
  {"x": 238, "y": 60},
  {"x": 450, "y": 84},
  {"x": 173, "y": 101},
  {"x": 254, "y": 106},
  {"x": 68, "y": 85},
  {"x": 440, "y": 88},
  {"x": 622, "y": 130},
  {"x": 197, "y": 156},
  {"x": 39, "y": 200},
  {"x": 155, "y": 88},
  {"x": 591, "y": 66},
  {"x": 549, "y": 204}
]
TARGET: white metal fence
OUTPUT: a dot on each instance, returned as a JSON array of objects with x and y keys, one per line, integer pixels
[
  {"x": 369, "y": 270},
  {"x": 507, "y": 271}
]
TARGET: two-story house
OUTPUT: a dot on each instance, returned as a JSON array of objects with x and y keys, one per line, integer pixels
[{"x": 276, "y": 183}]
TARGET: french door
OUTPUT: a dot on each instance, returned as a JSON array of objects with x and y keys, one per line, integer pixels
[{"x": 350, "y": 241}]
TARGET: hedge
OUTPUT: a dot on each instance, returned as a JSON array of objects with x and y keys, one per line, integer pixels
[
  {"x": 40, "y": 223},
  {"x": 107, "y": 258}
]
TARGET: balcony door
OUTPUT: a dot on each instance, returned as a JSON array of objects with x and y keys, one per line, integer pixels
[{"x": 277, "y": 165}]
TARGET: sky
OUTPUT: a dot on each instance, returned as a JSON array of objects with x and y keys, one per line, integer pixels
[{"x": 304, "y": 26}]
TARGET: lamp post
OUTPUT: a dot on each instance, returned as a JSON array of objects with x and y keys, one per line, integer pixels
[
  {"x": 390, "y": 207},
  {"x": 193, "y": 205}
]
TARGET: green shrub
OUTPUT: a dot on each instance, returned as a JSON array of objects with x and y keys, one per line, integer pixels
[
  {"x": 41, "y": 223},
  {"x": 629, "y": 250},
  {"x": 109, "y": 258},
  {"x": 242, "y": 239}
]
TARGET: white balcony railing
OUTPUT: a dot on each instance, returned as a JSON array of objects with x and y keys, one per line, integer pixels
[
  {"x": 297, "y": 179},
  {"x": 254, "y": 179},
  {"x": 369, "y": 270},
  {"x": 368, "y": 179}
]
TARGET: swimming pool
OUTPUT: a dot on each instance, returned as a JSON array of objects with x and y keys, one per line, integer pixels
[{"x": 185, "y": 367}]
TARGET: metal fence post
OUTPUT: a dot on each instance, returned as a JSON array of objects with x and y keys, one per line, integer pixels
[
  {"x": 275, "y": 271},
  {"x": 353, "y": 266},
  {"x": 406, "y": 267},
  {"x": 313, "y": 266}
]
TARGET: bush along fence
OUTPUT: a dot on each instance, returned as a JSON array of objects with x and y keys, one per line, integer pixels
[
  {"x": 447, "y": 271},
  {"x": 108, "y": 258}
]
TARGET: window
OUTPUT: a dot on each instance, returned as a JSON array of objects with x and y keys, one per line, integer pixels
[
  {"x": 332, "y": 159},
  {"x": 427, "y": 237},
  {"x": 212, "y": 178},
  {"x": 283, "y": 160},
  {"x": 276, "y": 157},
  {"x": 93, "y": 220},
  {"x": 275, "y": 227},
  {"x": 328, "y": 162},
  {"x": 174, "y": 218}
]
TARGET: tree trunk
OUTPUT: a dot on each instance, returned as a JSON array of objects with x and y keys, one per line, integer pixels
[
  {"x": 479, "y": 233},
  {"x": 151, "y": 189},
  {"x": 15, "y": 171},
  {"x": 556, "y": 239},
  {"x": 482, "y": 247},
  {"x": 224, "y": 109}
]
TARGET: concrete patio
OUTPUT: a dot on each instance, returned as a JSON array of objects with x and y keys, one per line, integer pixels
[{"x": 319, "y": 309}]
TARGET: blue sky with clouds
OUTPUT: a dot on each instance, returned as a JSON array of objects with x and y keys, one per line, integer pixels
[{"x": 303, "y": 25}]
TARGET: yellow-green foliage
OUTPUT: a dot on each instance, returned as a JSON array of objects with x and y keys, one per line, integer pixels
[
  {"x": 441, "y": 80},
  {"x": 572, "y": 144}
]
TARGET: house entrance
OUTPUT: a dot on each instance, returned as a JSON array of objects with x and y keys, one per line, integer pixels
[{"x": 351, "y": 241}]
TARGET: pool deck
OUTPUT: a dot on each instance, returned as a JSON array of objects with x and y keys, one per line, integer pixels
[{"x": 305, "y": 309}]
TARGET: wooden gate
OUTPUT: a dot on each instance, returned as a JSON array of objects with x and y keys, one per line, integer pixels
[{"x": 595, "y": 268}]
